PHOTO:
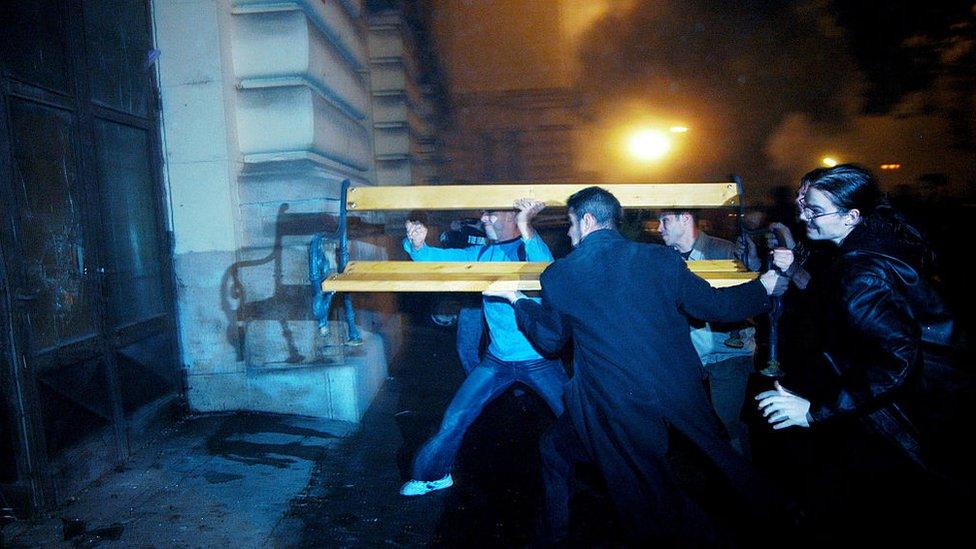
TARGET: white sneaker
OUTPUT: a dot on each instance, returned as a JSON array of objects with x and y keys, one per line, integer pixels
[{"x": 421, "y": 487}]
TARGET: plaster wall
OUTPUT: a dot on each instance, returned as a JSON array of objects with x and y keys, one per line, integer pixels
[{"x": 266, "y": 110}]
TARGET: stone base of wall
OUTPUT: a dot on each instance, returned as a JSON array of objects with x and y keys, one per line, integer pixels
[{"x": 341, "y": 385}]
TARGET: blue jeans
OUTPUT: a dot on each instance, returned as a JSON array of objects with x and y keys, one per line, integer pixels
[
  {"x": 486, "y": 382},
  {"x": 470, "y": 329}
]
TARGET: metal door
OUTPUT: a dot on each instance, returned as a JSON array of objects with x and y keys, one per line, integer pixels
[{"x": 87, "y": 259}]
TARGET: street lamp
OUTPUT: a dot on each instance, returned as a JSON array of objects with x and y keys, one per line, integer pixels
[
  {"x": 829, "y": 162},
  {"x": 649, "y": 145}
]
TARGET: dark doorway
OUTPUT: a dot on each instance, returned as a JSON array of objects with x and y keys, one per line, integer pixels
[{"x": 88, "y": 265}]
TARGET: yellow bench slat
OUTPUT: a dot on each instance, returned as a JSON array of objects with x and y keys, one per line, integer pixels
[
  {"x": 410, "y": 276},
  {"x": 497, "y": 197},
  {"x": 504, "y": 267}
]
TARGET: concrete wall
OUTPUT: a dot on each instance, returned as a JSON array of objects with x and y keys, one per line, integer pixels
[
  {"x": 266, "y": 110},
  {"x": 518, "y": 135}
]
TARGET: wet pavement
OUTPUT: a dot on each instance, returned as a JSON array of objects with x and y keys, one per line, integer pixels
[
  {"x": 353, "y": 500},
  {"x": 265, "y": 480},
  {"x": 215, "y": 480},
  {"x": 259, "y": 480}
]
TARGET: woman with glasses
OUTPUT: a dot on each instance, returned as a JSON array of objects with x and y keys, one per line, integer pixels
[{"x": 875, "y": 305}]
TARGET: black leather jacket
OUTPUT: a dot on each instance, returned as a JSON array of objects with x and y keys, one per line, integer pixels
[{"x": 877, "y": 313}]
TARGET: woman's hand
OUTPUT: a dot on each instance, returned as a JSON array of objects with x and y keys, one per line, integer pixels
[{"x": 784, "y": 409}]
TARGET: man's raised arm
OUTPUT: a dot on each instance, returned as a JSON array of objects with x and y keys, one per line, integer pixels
[
  {"x": 415, "y": 244},
  {"x": 535, "y": 248}
]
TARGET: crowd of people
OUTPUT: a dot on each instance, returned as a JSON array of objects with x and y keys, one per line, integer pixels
[{"x": 656, "y": 350}]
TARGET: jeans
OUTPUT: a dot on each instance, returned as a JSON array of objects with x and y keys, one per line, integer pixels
[
  {"x": 486, "y": 382},
  {"x": 470, "y": 330}
]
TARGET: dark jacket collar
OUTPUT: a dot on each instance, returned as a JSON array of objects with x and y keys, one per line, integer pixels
[{"x": 600, "y": 236}]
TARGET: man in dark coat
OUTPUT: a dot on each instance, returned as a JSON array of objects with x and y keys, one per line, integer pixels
[{"x": 636, "y": 374}]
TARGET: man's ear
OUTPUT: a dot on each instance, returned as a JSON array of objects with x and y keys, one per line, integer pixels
[
  {"x": 588, "y": 223},
  {"x": 855, "y": 215}
]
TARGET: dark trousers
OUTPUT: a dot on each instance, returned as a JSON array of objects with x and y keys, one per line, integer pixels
[
  {"x": 727, "y": 383},
  {"x": 560, "y": 450},
  {"x": 486, "y": 382},
  {"x": 652, "y": 507}
]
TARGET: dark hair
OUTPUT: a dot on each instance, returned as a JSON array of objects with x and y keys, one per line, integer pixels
[
  {"x": 603, "y": 206},
  {"x": 814, "y": 175},
  {"x": 675, "y": 212},
  {"x": 850, "y": 186}
]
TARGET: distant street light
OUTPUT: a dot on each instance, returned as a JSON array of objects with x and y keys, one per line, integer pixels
[
  {"x": 891, "y": 166},
  {"x": 649, "y": 145},
  {"x": 679, "y": 129},
  {"x": 829, "y": 162}
]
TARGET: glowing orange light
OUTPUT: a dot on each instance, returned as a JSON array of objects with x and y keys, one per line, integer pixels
[
  {"x": 649, "y": 145},
  {"x": 829, "y": 162},
  {"x": 891, "y": 166}
]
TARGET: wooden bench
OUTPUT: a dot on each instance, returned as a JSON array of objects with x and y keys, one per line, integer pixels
[{"x": 410, "y": 276}]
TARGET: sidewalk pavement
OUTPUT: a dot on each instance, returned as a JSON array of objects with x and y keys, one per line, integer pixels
[
  {"x": 267, "y": 480},
  {"x": 214, "y": 480}
]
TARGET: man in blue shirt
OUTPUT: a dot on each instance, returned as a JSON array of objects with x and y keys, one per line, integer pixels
[{"x": 510, "y": 358}]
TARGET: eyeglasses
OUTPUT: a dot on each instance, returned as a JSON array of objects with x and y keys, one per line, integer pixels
[{"x": 810, "y": 216}]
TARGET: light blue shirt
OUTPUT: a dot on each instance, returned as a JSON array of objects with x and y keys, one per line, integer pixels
[{"x": 508, "y": 343}]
